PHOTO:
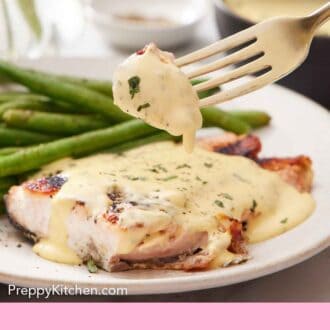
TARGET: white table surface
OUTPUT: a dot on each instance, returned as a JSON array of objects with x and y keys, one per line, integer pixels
[{"x": 308, "y": 281}]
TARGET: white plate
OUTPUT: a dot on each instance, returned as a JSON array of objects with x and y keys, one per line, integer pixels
[{"x": 299, "y": 126}]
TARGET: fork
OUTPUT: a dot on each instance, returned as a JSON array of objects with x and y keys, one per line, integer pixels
[{"x": 269, "y": 50}]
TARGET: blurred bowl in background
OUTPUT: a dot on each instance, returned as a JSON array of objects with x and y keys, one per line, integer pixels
[
  {"x": 131, "y": 24},
  {"x": 312, "y": 78}
]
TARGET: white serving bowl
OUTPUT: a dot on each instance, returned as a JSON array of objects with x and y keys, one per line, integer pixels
[{"x": 175, "y": 21}]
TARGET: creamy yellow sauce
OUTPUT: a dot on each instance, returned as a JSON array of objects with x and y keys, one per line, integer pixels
[
  {"x": 258, "y": 10},
  {"x": 55, "y": 247},
  {"x": 148, "y": 85},
  {"x": 168, "y": 186}
]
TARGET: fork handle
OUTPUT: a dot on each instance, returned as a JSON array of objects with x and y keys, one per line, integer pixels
[{"x": 318, "y": 17}]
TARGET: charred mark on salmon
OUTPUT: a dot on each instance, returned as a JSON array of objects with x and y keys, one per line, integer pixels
[
  {"x": 249, "y": 146},
  {"x": 47, "y": 185},
  {"x": 111, "y": 217}
]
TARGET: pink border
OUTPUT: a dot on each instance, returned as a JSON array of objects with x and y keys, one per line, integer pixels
[{"x": 49, "y": 316}]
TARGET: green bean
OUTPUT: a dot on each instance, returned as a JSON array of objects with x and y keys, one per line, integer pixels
[
  {"x": 214, "y": 117},
  {"x": 105, "y": 86},
  {"x": 53, "y": 123},
  {"x": 101, "y": 86},
  {"x": 158, "y": 137},
  {"x": 198, "y": 81},
  {"x": 9, "y": 150},
  {"x": 255, "y": 119},
  {"x": 2, "y": 205},
  {"x": 7, "y": 182},
  {"x": 34, "y": 157},
  {"x": 3, "y": 192},
  {"x": 22, "y": 104},
  {"x": 61, "y": 124},
  {"x": 4, "y": 80},
  {"x": 206, "y": 93},
  {"x": 70, "y": 92},
  {"x": 98, "y": 85},
  {"x": 13, "y": 96},
  {"x": 41, "y": 103},
  {"x": 14, "y": 137},
  {"x": 64, "y": 91}
]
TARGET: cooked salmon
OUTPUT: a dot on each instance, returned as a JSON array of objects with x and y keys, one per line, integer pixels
[{"x": 29, "y": 208}]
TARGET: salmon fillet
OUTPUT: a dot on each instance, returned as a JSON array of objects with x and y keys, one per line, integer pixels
[
  {"x": 181, "y": 250},
  {"x": 297, "y": 171}
]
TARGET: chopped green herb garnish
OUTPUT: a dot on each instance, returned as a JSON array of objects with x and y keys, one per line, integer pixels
[
  {"x": 169, "y": 178},
  {"x": 237, "y": 176},
  {"x": 92, "y": 268},
  {"x": 227, "y": 196},
  {"x": 160, "y": 167},
  {"x": 143, "y": 106},
  {"x": 135, "y": 178},
  {"x": 134, "y": 85},
  {"x": 199, "y": 179},
  {"x": 254, "y": 206},
  {"x": 284, "y": 221},
  {"x": 218, "y": 203},
  {"x": 183, "y": 166},
  {"x": 209, "y": 165}
]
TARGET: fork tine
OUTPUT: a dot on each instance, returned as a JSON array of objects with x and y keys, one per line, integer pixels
[
  {"x": 237, "y": 73},
  {"x": 241, "y": 55},
  {"x": 220, "y": 46},
  {"x": 226, "y": 95}
]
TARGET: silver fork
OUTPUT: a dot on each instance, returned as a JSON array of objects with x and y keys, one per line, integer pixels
[{"x": 274, "y": 47}]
